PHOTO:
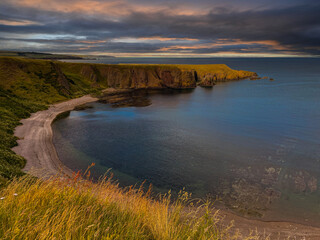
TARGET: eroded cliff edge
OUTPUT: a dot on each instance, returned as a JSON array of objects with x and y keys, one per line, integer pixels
[
  {"x": 69, "y": 78},
  {"x": 156, "y": 76}
]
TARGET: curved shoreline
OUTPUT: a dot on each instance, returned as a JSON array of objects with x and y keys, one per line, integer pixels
[
  {"x": 36, "y": 146},
  {"x": 35, "y": 139}
]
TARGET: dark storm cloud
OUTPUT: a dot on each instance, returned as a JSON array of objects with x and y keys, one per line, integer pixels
[{"x": 294, "y": 29}]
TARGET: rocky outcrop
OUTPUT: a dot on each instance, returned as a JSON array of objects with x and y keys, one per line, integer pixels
[
  {"x": 211, "y": 78},
  {"x": 304, "y": 182},
  {"x": 90, "y": 72},
  {"x": 63, "y": 83},
  {"x": 255, "y": 77}
]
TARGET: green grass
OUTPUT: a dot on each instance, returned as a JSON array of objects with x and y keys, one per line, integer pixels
[{"x": 27, "y": 86}]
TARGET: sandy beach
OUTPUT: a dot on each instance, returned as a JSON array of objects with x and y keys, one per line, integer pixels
[
  {"x": 36, "y": 146},
  {"x": 35, "y": 139}
]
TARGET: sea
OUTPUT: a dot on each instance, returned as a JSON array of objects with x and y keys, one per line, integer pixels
[{"x": 253, "y": 147}]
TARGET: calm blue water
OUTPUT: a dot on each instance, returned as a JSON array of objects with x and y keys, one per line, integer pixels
[{"x": 255, "y": 144}]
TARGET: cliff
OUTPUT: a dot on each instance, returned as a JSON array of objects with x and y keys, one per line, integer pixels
[
  {"x": 155, "y": 76},
  {"x": 53, "y": 81}
]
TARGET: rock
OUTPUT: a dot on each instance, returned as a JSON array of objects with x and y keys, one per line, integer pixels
[
  {"x": 208, "y": 80},
  {"x": 63, "y": 83},
  {"x": 312, "y": 184},
  {"x": 270, "y": 176},
  {"x": 272, "y": 194},
  {"x": 90, "y": 72},
  {"x": 255, "y": 78},
  {"x": 250, "y": 198},
  {"x": 300, "y": 184},
  {"x": 126, "y": 99},
  {"x": 141, "y": 77},
  {"x": 305, "y": 182},
  {"x": 82, "y": 107}
]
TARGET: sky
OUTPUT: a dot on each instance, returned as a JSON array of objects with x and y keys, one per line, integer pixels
[{"x": 163, "y": 28}]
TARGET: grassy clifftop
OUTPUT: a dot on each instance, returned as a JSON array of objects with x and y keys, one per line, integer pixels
[{"x": 59, "y": 80}]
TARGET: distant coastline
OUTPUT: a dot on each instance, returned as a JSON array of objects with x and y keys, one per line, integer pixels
[{"x": 50, "y": 56}]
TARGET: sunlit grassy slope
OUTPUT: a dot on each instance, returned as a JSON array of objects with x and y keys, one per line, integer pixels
[
  {"x": 27, "y": 86},
  {"x": 218, "y": 69},
  {"x": 61, "y": 208}
]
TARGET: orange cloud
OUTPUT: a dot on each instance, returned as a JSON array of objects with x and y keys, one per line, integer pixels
[
  {"x": 164, "y": 39},
  {"x": 151, "y": 39},
  {"x": 18, "y": 23},
  {"x": 223, "y": 42},
  {"x": 92, "y": 41},
  {"x": 191, "y": 55},
  {"x": 113, "y": 8}
]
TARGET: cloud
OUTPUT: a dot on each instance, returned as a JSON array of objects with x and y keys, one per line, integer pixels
[{"x": 157, "y": 27}]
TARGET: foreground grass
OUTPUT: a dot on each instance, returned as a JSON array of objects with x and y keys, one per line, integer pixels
[{"x": 61, "y": 208}]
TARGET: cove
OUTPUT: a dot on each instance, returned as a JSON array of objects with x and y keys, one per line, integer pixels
[{"x": 255, "y": 144}]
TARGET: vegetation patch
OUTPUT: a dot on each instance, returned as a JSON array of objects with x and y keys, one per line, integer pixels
[
  {"x": 28, "y": 86},
  {"x": 73, "y": 208}
]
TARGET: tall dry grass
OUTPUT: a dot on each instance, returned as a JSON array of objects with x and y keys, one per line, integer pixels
[{"x": 73, "y": 208}]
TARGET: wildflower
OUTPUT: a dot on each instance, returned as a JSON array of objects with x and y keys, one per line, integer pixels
[
  {"x": 15, "y": 194},
  {"x": 2, "y": 198}
]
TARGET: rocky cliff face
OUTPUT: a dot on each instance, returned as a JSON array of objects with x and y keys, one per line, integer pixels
[
  {"x": 136, "y": 77},
  {"x": 62, "y": 81},
  {"x": 155, "y": 76},
  {"x": 211, "y": 78},
  {"x": 72, "y": 79}
]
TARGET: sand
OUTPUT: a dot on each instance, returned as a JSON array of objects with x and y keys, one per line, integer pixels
[{"x": 35, "y": 139}]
